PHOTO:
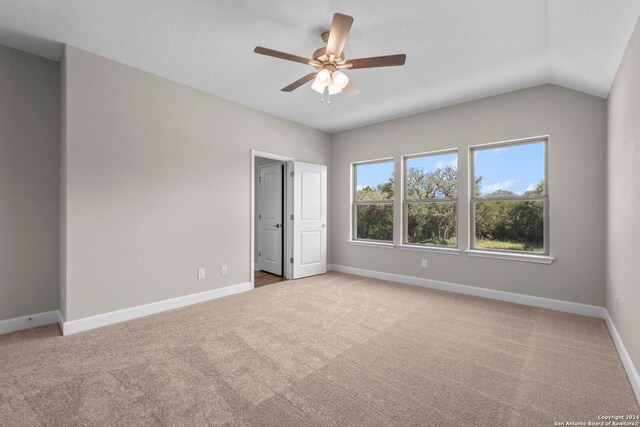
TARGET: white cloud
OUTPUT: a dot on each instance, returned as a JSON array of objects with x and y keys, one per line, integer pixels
[
  {"x": 453, "y": 163},
  {"x": 360, "y": 187},
  {"x": 532, "y": 187},
  {"x": 490, "y": 188}
]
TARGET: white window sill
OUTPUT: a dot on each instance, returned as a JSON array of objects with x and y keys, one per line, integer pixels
[
  {"x": 433, "y": 249},
  {"x": 538, "y": 259},
  {"x": 385, "y": 245}
]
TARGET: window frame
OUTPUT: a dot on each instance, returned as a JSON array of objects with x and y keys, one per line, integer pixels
[
  {"x": 406, "y": 200},
  {"x": 544, "y": 198},
  {"x": 355, "y": 203}
]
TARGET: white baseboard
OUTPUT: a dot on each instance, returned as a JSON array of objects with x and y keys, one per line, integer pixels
[
  {"x": 632, "y": 372},
  {"x": 26, "y": 322},
  {"x": 105, "y": 319},
  {"x": 551, "y": 304}
]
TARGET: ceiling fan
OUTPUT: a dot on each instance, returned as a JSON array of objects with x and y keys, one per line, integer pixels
[{"x": 330, "y": 59}]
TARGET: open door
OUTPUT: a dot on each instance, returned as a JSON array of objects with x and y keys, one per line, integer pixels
[
  {"x": 309, "y": 219},
  {"x": 270, "y": 224}
]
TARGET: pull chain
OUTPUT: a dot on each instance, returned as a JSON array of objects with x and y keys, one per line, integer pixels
[{"x": 328, "y": 96}]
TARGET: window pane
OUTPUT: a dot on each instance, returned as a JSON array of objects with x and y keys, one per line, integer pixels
[
  {"x": 431, "y": 177},
  {"x": 432, "y": 223},
  {"x": 374, "y": 181},
  {"x": 509, "y": 170},
  {"x": 374, "y": 222},
  {"x": 510, "y": 225}
]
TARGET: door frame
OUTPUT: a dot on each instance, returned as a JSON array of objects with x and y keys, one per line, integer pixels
[{"x": 288, "y": 211}]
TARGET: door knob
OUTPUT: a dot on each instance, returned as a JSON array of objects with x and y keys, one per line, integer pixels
[
  {"x": 276, "y": 225},
  {"x": 324, "y": 225}
]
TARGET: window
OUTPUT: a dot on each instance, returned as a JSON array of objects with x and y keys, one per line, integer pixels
[
  {"x": 373, "y": 201},
  {"x": 510, "y": 200},
  {"x": 430, "y": 199}
]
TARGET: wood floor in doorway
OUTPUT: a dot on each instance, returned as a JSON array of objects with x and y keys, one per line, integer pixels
[{"x": 262, "y": 278}]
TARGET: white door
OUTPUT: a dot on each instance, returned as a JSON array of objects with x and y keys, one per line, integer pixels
[
  {"x": 270, "y": 219},
  {"x": 309, "y": 219}
]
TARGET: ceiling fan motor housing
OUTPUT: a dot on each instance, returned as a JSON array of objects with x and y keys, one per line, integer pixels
[{"x": 319, "y": 54}]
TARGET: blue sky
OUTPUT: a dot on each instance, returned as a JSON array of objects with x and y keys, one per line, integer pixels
[
  {"x": 517, "y": 168},
  {"x": 514, "y": 168},
  {"x": 432, "y": 163},
  {"x": 373, "y": 174}
]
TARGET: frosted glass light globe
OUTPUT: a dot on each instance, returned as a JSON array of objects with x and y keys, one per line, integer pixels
[{"x": 340, "y": 79}]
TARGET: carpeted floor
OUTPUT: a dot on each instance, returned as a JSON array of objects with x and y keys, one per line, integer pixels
[{"x": 331, "y": 350}]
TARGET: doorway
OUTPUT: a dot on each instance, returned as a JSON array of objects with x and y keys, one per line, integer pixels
[
  {"x": 288, "y": 218},
  {"x": 269, "y": 209}
]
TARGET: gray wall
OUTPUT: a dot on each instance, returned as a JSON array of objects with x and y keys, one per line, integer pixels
[
  {"x": 29, "y": 185},
  {"x": 576, "y": 123},
  {"x": 157, "y": 182},
  {"x": 623, "y": 203}
]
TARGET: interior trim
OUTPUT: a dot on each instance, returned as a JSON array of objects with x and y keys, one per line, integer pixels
[
  {"x": 31, "y": 321},
  {"x": 548, "y": 303},
  {"x": 629, "y": 367},
  {"x": 105, "y": 319},
  {"x": 537, "y": 259},
  {"x": 372, "y": 244},
  {"x": 432, "y": 249}
]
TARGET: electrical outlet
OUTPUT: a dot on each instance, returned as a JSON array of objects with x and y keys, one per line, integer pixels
[
  {"x": 615, "y": 299},
  {"x": 424, "y": 263},
  {"x": 223, "y": 269},
  {"x": 201, "y": 273}
]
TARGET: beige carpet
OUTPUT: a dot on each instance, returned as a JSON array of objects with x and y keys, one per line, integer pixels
[{"x": 328, "y": 350}]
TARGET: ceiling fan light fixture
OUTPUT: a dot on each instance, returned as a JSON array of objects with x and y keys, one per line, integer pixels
[
  {"x": 324, "y": 76},
  {"x": 319, "y": 86},
  {"x": 340, "y": 79},
  {"x": 334, "y": 88}
]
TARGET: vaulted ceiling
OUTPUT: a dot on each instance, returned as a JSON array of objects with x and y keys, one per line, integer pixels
[{"x": 457, "y": 50}]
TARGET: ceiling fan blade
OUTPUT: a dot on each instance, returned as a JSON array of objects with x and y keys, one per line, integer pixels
[
  {"x": 351, "y": 89},
  {"x": 376, "y": 61},
  {"x": 295, "y": 85},
  {"x": 282, "y": 55},
  {"x": 338, "y": 34}
]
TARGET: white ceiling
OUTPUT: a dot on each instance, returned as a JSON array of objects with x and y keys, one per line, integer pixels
[{"x": 456, "y": 50}]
